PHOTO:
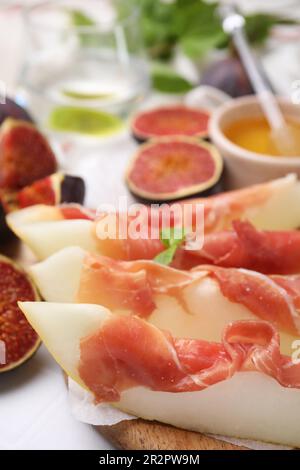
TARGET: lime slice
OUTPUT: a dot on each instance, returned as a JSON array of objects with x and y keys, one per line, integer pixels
[
  {"x": 165, "y": 80},
  {"x": 84, "y": 121},
  {"x": 78, "y": 95}
]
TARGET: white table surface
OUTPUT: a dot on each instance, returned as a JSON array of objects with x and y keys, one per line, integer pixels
[{"x": 34, "y": 411}]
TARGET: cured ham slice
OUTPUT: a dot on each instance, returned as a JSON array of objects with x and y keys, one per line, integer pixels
[
  {"x": 128, "y": 352},
  {"x": 269, "y": 252},
  {"x": 269, "y": 206},
  {"x": 133, "y": 285},
  {"x": 265, "y": 205},
  {"x": 186, "y": 303},
  {"x": 240, "y": 386}
]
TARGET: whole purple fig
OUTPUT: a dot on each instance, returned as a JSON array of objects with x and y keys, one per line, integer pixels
[{"x": 229, "y": 76}]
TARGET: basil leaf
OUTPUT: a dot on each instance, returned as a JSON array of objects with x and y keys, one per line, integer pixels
[
  {"x": 166, "y": 256},
  {"x": 172, "y": 238}
]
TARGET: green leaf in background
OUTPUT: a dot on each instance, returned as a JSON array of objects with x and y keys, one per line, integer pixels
[
  {"x": 192, "y": 24},
  {"x": 172, "y": 238},
  {"x": 258, "y": 27},
  {"x": 165, "y": 80},
  {"x": 80, "y": 19},
  {"x": 196, "y": 47}
]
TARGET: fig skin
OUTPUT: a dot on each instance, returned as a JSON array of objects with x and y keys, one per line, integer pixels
[
  {"x": 229, "y": 76},
  {"x": 15, "y": 327},
  {"x": 215, "y": 189},
  {"x": 25, "y": 155},
  {"x": 5, "y": 232},
  {"x": 72, "y": 189},
  {"x": 11, "y": 109},
  {"x": 137, "y": 181}
]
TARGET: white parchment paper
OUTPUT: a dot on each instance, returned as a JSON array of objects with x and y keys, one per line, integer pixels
[{"x": 84, "y": 409}]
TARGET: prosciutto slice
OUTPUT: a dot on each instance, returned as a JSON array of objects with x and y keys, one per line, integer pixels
[
  {"x": 269, "y": 252},
  {"x": 76, "y": 211},
  {"x": 260, "y": 204},
  {"x": 127, "y": 352},
  {"x": 237, "y": 385},
  {"x": 269, "y": 206},
  {"x": 135, "y": 286}
]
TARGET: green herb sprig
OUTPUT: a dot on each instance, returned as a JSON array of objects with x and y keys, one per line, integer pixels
[{"x": 172, "y": 238}]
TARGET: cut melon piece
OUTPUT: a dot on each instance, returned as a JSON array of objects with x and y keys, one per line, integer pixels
[
  {"x": 78, "y": 321},
  {"x": 250, "y": 405},
  {"x": 46, "y": 238},
  {"x": 209, "y": 311},
  {"x": 282, "y": 210},
  {"x": 44, "y": 231},
  {"x": 58, "y": 277}
]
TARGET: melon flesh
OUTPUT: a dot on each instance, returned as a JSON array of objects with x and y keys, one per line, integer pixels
[
  {"x": 250, "y": 405},
  {"x": 58, "y": 278},
  {"x": 282, "y": 210},
  {"x": 41, "y": 228},
  {"x": 46, "y": 238}
]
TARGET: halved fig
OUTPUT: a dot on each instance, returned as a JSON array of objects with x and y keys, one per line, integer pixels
[
  {"x": 55, "y": 189},
  {"x": 18, "y": 339},
  {"x": 170, "y": 121},
  {"x": 25, "y": 155},
  {"x": 50, "y": 191},
  {"x": 173, "y": 168}
]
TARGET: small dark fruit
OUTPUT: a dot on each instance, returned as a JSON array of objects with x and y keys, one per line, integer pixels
[
  {"x": 170, "y": 121},
  {"x": 11, "y": 109},
  {"x": 229, "y": 76},
  {"x": 18, "y": 339},
  {"x": 174, "y": 168},
  {"x": 72, "y": 189}
]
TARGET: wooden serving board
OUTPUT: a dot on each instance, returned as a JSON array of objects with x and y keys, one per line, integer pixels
[
  {"x": 139, "y": 434},
  {"x": 136, "y": 434}
]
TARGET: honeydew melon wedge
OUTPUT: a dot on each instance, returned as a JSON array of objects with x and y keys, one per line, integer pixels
[
  {"x": 43, "y": 230},
  {"x": 58, "y": 278},
  {"x": 282, "y": 210},
  {"x": 250, "y": 405}
]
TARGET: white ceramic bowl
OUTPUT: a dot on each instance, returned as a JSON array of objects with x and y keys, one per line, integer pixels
[{"x": 243, "y": 167}]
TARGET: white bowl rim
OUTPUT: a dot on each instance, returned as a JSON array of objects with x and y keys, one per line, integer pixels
[{"x": 219, "y": 138}]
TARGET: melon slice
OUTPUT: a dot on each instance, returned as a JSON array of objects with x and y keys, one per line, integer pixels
[
  {"x": 43, "y": 229},
  {"x": 250, "y": 405},
  {"x": 58, "y": 280}
]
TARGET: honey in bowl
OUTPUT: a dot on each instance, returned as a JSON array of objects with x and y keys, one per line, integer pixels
[{"x": 254, "y": 134}]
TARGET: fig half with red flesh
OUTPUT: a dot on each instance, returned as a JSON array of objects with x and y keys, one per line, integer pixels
[
  {"x": 16, "y": 334},
  {"x": 25, "y": 155},
  {"x": 52, "y": 190},
  {"x": 170, "y": 121},
  {"x": 55, "y": 189},
  {"x": 174, "y": 168}
]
